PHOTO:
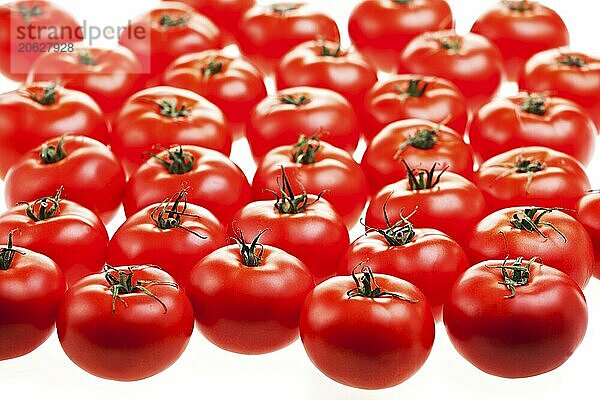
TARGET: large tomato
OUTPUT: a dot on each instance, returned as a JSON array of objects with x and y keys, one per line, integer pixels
[
  {"x": 536, "y": 176},
  {"x": 419, "y": 143},
  {"x": 70, "y": 234},
  {"x": 588, "y": 213},
  {"x": 557, "y": 238},
  {"x": 380, "y": 29},
  {"x": 515, "y": 318},
  {"x": 88, "y": 171},
  {"x": 160, "y": 116},
  {"x": 169, "y": 30},
  {"x": 33, "y": 114},
  {"x": 278, "y": 120},
  {"x": 520, "y": 29},
  {"x": 231, "y": 83},
  {"x": 109, "y": 76},
  {"x": 268, "y": 32},
  {"x": 533, "y": 120},
  {"x": 137, "y": 322},
  {"x": 173, "y": 234},
  {"x": 31, "y": 289},
  {"x": 568, "y": 74},
  {"x": 214, "y": 181},
  {"x": 304, "y": 225},
  {"x": 28, "y": 30},
  {"x": 414, "y": 96},
  {"x": 249, "y": 288},
  {"x": 446, "y": 201},
  {"x": 471, "y": 62},
  {"x": 367, "y": 333},
  {"x": 317, "y": 168}
]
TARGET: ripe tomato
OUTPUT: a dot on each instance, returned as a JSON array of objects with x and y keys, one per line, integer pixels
[
  {"x": 520, "y": 29},
  {"x": 471, "y": 62},
  {"x": 323, "y": 63},
  {"x": 317, "y": 168},
  {"x": 31, "y": 289},
  {"x": 380, "y": 29},
  {"x": 554, "y": 236},
  {"x": 88, "y": 171},
  {"x": 214, "y": 181},
  {"x": 251, "y": 288},
  {"x": 172, "y": 234},
  {"x": 305, "y": 225},
  {"x": 268, "y": 32},
  {"x": 588, "y": 209},
  {"x": 533, "y": 120},
  {"x": 33, "y": 114},
  {"x": 531, "y": 175},
  {"x": 568, "y": 74},
  {"x": 109, "y": 76},
  {"x": 515, "y": 318},
  {"x": 414, "y": 96},
  {"x": 365, "y": 333},
  {"x": 231, "y": 83},
  {"x": 70, "y": 234},
  {"x": 447, "y": 202},
  {"x": 427, "y": 258},
  {"x": 419, "y": 143},
  {"x": 170, "y": 30},
  {"x": 279, "y": 119},
  {"x": 161, "y": 116},
  {"x": 137, "y": 322},
  {"x": 28, "y": 30}
]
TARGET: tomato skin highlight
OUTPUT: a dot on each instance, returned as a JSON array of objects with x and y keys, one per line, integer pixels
[
  {"x": 532, "y": 333},
  {"x": 588, "y": 208},
  {"x": 393, "y": 337}
]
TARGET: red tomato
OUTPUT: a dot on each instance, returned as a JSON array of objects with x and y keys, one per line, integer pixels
[
  {"x": 214, "y": 181},
  {"x": 247, "y": 297},
  {"x": 419, "y": 143},
  {"x": 172, "y": 234},
  {"x": 531, "y": 175},
  {"x": 160, "y": 116},
  {"x": 515, "y": 318},
  {"x": 533, "y": 120},
  {"x": 380, "y": 29},
  {"x": 305, "y": 225},
  {"x": 88, "y": 171},
  {"x": 232, "y": 83},
  {"x": 317, "y": 168},
  {"x": 323, "y": 63},
  {"x": 278, "y": 120},
  {"x": 557, "y": 238},
  {"x": 268, "y": 32},
  {"x": 33, "y": 114},
  {"x": 414, "y": 96},
  {"x": 71, "y": 235},
  {"x": 520, "y": 29},
  {"x": 168, "y": 31},
  {"x": 588, "y": 213},
  {"x": 568, "y": 74},
  {"x": 28, "y": 30},
  {"x": 365, "y": 333},
  {"x": 31, "y": 289},
  {"x": 470, "y": 61},
  {"x": 137, "y": 322},
  {"x": 109, "y": 76},
  {"x": 447, "y": 202}
]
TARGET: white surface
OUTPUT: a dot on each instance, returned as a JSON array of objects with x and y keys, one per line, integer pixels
[{"x": 204, "y": 371}]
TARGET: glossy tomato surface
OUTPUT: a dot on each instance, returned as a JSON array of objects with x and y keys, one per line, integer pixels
[{"x": 588, "y": 210}]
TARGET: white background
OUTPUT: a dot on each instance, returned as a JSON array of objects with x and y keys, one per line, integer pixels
[{"x": 204, "y": 371}]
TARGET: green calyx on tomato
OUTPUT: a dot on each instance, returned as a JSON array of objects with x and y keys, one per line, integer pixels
[
  {"x": 52, "y": 154},
  {"x": 172, "y": 110},
  {"x": 287, "y": 202},
  {"x": 534, "y": 104},
  {"x": 518, "y": 5},
  {"x": 86, "y": 58},
  {"x": 403, "y": 2},
  {"x": 515, "y": 275},
  {"x": 415, "y": 88},
  {"x": 452, "y": 44},
  {"x": 180, "y": 161},
  {"x": 8, "y": 253},
  {"x": 252, "y": 253},
  {"x": 212, "y": 68},
  {"x": 529, "y": 220},
  {"x": 572, "y": 61},
  {"x": 299, "y": 99},
  {"x": 167, "y": 21},
  {"x": 306, "y": 149},
  {"x": 423, "y": 139},
  {"x": 335, "y": 52},
  {"x": 423, "y": 179},
  {"x": 47, "y": 207},
  {"x": 123, "y": 283},
  {"x": 523, "y": 165},
  {"x": 27, "y": 13},
  {"x": 398, "y": 234},
  {"x": 366, "y": 286},
  {"x": 169, "y": 217},
  {"x": 282, "y": 8},
  {"x": 48, "y": 97}
]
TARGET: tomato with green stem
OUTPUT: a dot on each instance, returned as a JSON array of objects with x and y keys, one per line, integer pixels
[{"x": 588, "y": 210}]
